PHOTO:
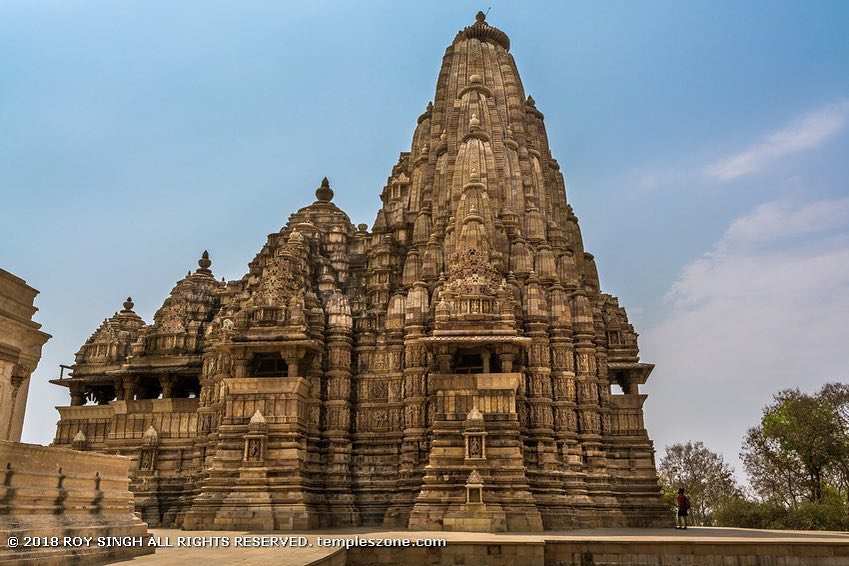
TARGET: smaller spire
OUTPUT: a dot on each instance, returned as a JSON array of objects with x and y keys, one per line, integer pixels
[
  {"x": 324, "y": 193},
  {"x": 129, "y": 304},
  {"x": 150, "y": 436},
  {"x": 78, "y": 443},
  {"x": 258, "y": 424},
  {"x": 474, "y": 478},
  {"x": 474, "y": 123},
  {"x": 204, "y": 263}
]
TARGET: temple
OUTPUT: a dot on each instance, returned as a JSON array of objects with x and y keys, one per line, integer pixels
[{"x": 455, "y": 367}]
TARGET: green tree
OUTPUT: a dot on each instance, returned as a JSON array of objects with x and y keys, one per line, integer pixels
[
  {"x": 837, "y": 395},
  {"x": 797, "y": 461},
  {"x": 708, "y": 479},
  {"x": 800, "y": 442}
]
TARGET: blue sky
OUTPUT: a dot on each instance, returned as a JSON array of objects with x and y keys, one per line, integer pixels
[{"x": 704, "y": 146}]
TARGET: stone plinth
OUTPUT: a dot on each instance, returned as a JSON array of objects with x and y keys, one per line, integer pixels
[
  {"x": 626, "y": 547},
  {"x": 56, "y": 492}
]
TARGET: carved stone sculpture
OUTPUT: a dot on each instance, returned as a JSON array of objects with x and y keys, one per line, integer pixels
[{"x": 466, "y": 329}]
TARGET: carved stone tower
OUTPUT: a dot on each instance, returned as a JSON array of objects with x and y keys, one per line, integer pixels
[{"x": 449, "y": 369}]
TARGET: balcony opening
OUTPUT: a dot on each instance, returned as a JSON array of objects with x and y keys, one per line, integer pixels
[
  {"x": 468, "y": 362},
  {"x": 187, "y": 388},
  {"x": 149, "y": 389},
  {"x": 619, "y": 385},
  {"x": 100, "y": 395},
  {"x": 269, "y": 365}
]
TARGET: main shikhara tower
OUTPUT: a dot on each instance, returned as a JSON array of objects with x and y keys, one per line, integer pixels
[{"x": 451, "y": 368}]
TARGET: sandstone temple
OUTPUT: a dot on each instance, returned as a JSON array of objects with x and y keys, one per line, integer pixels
[{"x": 455, "y": 367}]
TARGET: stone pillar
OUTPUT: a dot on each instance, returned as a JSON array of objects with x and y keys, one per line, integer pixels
[
  {"x": 570, "y": 454},
  {"x": 167, "y": 384},
  {"x": 129, "y": 388},
  {"x": 414, "y": 441},
  {"x": 118, "y": 384},
  {"x": 544, "y": 474},
  {"x": 337, "y": 472},
  {"x": 240, "y": 365},
  {"x": 589, "y": 408},
  {"x": 77, "y": 395},
  {"x": 13, "y": 427},
  {"x": 507, "y": 358}
]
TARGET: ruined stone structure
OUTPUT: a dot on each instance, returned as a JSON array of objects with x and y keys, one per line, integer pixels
[
  {"x": 21, "y": 340},
  {"x": 51, "y": 492},
  {"x": 451, "y": 368}
]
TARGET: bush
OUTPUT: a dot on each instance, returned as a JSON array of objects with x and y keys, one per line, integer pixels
[
  {"x": 829, "y": 514},
  {"x": 748, "y": 514},
  {"x": 826, "y": 515}
]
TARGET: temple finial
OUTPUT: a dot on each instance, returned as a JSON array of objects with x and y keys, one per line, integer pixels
[
  {"x": 484, "y": 31},
  {"x": 129, "y": 304},
  {"x": 324, "y": 193},
  {"x": 204, "y": 263}
]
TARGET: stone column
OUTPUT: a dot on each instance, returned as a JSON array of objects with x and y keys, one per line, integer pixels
[
  {"x": 129, "y": 382},
  {"x": 77, "y": 395},
  {"x": 543, "y": 472},
  {"x": 337, "y": 474},
  {"x": 19, "y": 376},
  {"x": 167, "y": 384},
  {"x": 569, "y": 453},
  {"x": 589, "y": 406}
]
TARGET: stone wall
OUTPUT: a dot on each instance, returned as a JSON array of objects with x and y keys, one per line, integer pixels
[
  {"x": 533, "y": 551},
  {"x": 57, "y": 492}
]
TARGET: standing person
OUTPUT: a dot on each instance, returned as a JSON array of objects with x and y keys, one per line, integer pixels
[{"x": 683, "y": 508}]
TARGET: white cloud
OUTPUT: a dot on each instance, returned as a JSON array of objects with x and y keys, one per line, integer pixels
[
  {"x": 785, "y": 219},
  {"x": 767, "y": 308},
  {"x": 807, "y": 132}
]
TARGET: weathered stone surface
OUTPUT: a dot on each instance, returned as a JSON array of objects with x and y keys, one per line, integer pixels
[
  {"x": 465, "y": 331},
  {"x": 57, "y": 492},
  {"x": 628, "y": 547},
  {"x": 49, "y": 494},
  {"x": 20, "y": 350}
]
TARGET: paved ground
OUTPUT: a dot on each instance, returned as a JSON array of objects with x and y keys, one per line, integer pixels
[{"x": 311, "y": 551}]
